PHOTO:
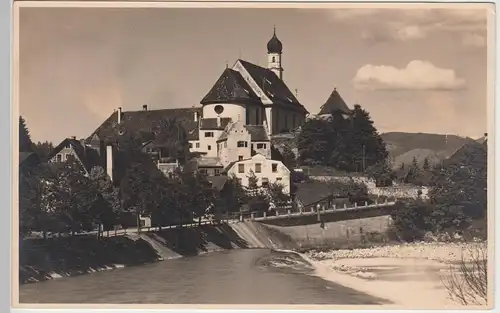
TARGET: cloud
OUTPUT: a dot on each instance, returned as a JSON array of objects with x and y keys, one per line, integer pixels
[
  {"x": 412, "y": 24},
  {"x": 417, "y": 75},
  {"x": 411, "y": 32},
  {"x": 474, "y": 40}
]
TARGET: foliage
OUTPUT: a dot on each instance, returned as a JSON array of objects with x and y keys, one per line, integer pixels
[
  {"x": 25, "y": 143},
  {"x": 76, "y": 201},
  {"x": 252, "y": 181},
  {"x": 346, "y": 144},
  {"x": 44, "y": 149},
  {"x": 233, "y": 196},
  {"x": 171, "y": 135},
  {"x": 426, "y": 165},
  {"x": 109, "y": 205},
  {"x": 382, "y": 174},
  {"x": 411, "y": 219},
  {"x": 277, "y": 196}
]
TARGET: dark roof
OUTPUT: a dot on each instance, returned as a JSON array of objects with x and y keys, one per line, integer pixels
[
  {"x": 274, "y": 88},
  {"x": 334, "y": 103},
  {"x": 230, "y": 87},
  {"x": 144, "y": 121},
  {"x": 257, "y": 132},
  {"x": 28, "y": 159},
  {"x": 217, "y": 182},
  {"x": 274, "y": 45},
  {"x": 88, "y": 156},
  {"x": 313, "y": 191},
  {"x": 211, "y": 123}
]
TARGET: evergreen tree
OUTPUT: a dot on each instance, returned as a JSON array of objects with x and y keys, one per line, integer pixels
[
  {"x": 414, "y": 164},
  {"x": 25, "y": 143},
  {"x": 44, "y": 149},
  {"x": 109, "y": 208},
  {"x": 426, "y": 165},
  {"x": 339, "y": 152},
  {"x": 289, "y": 159},
  {"x": 314, "y": 142},
  {"x": 366, "y": 147},
  {"x": 402, "y": 166},
  {"x": 252, "y": 181}
]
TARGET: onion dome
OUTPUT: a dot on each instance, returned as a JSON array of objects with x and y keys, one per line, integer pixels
[{"x": 274, "y": 45}]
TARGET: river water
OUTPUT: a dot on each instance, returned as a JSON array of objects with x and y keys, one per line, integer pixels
[{"x": 246, "y": 276}]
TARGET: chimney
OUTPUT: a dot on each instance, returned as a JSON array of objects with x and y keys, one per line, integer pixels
[
  {"x": 109, "y": 161},
  {"x": 119, "y": 115},
  {"x": 218, "y": 121},
  {"x": 73, "y": 137},
  {"x": 145, "y": 107},
  {"x": 196, "y": 116}
]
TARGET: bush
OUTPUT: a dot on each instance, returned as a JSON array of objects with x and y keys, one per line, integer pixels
[{"x": 410, "y": 220}]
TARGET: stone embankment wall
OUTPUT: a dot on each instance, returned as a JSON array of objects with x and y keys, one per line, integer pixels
[{"x": 397, "y": 191}]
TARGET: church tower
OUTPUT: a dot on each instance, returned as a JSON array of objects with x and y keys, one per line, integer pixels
[{"x": 274, "y": 51}]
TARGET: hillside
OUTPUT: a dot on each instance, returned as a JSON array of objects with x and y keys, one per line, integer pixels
[
  {"x": 403, "y": 146},
  {"x": 420, "y": 155}
]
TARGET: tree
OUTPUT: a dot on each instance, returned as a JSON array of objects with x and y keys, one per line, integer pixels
[
  {"x": 314, "y": 142},
  {"x": 382, "y": 174},
  {"x": 138, "y": 190},
  {"x": 252, "y": 181},
  {"x": 277, "y": 196},
  {"x": 77, "y": 198},
  {"x": 402, "y": 166},
  {"x": 411, "y": 219},
  {"x": 233, "y": 195},
  {"x": 426, "y": 165},
  {"x": 38, "y": 197},
  {"x": 172, "y": 137},
  {"x": 340, "y": 132},
  {"x": 289, "y": 159},
  {"x": 365, "y": 146},
  {"x": 25, "y": 143},
  {"x": 44, "y": 149},
  {"x": 414, "y": 163},
  {"x": 109, "y": 206}
]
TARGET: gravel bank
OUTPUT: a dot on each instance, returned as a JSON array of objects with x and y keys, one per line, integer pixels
[{"x": 408, "y": 275}]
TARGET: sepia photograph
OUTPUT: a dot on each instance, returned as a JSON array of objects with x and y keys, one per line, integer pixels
[{"x": 274, "y": 155}]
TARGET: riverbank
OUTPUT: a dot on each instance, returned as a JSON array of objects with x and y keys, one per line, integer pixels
[
  {"x": 411, "y": 275},
  {"x": 45, "y": 259}
]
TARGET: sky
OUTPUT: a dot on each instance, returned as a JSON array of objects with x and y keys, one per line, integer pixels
[{"x": 413, "y": 70}]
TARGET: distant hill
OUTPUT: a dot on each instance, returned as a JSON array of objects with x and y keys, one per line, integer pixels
[{"x": 402, "y": 147}]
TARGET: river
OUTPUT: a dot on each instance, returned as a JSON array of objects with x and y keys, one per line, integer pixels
[{"x": 246, "y": 276}]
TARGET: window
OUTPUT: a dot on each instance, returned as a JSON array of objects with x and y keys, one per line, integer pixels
[
  {"x": 225, "y": 144},
  {"x": 217, "y": 172},
  {"x": 190, "y": 145},
  {"x": 265, "y": 182},
  {"x": 197, "y": 145},
  {"x": 203, "y": 171},
  {"x": 274, "y": 59},
  {"x": 59, "y": 158},
  {"x": 278, "y": 178},
  {"x": 261, "y": 146},
  {"x": 258, "y": 168},
  {"x": 242, "y": 144},
  {"x": 66, "y": 156},
  {"x": 241, "y": 168},
  {"x": 274, "y": 167},
  {"x": 209, "y": 147},
  {"x": 240, "y": 157},
  {"x": 209, "y": 134}
]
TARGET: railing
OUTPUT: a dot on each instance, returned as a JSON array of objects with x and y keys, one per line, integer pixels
[
  {"x": 314, "y": 211},
  {"x": 230, "y": 218}
]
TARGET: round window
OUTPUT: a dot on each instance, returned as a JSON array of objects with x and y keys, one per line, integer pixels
[{"x": 219, "y": 109}]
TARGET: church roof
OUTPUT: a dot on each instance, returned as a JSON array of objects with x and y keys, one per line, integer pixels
[
  {"x": 334, "y": 103},
  {"x": 257, "y": 132},
  {"x": 135, "y": 122},
  {"x": 230, "y": 87},
  {"x": 274, "y": 88},
  {"x": 274, "y": 45}
]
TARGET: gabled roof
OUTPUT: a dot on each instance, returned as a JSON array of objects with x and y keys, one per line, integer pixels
[
  {"x": 334, "y": 103},
  {"x": 143, "y": 121},
  {"x": 257, "y": 132},
  {"x": 211, "y": 123},
  {"x": 230, "y": 87},
  {"x": 274, "y": 88},
  {"x": 87, "y": 156},
  {"x": 217, "y": 182}
]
